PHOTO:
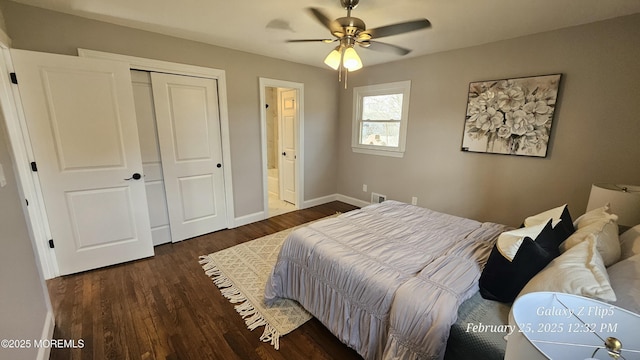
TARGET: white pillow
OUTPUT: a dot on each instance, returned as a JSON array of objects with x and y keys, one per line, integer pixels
[
  {"x": 594, "y": 216},
  {"x": 630, "y": 243},
  {"x": 509, "y": 241},
  {"x": 625, "y": 281},
  {"x": 578, "y": 271},
  {"x": 604, "y": 227},
  {"x": 606, "y": 237},
  {"x": 543, "y": 217}
]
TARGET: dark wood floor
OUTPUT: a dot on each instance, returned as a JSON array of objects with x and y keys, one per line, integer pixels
[{"x": 165, "y": 307}]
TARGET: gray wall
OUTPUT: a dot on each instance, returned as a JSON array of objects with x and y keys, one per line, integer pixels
[
  {"x": 594, "y": 136},
  {"x": 23, "y": 300},
  {"x": 36, "y": 29}
]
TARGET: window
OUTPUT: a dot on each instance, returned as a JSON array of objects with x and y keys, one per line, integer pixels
[{"x": 380, "y": 117}]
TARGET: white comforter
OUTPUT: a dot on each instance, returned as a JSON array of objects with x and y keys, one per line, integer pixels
[{"x": 387, "y": 279}]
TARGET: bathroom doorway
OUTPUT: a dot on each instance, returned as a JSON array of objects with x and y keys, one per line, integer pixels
[{"x": 281, "y": 123}]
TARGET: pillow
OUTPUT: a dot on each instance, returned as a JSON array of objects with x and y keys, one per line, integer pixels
[
  {"x": 625, "y": 281},
  {"x": 509, "y": 241},
  {"x": 562, "y": 222},
  {"x": 630, "y": 243},
  {"x": 578, "y": 271},
  {"x": 594, "y": 216},
  {"x": 502, "y": 279},
  {"x": 603, "y": 225}
]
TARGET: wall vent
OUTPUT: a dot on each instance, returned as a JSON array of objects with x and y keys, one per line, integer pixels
[{"x": 377, "y": 198}]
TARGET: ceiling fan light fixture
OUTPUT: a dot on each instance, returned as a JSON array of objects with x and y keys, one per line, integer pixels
[
  {"x": 333, "y": 59},
  {"x": 349, "y": 31},
  {"x": 351, "y": 59}
]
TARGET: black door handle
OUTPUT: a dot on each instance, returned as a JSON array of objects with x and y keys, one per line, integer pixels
[
  {"x": 135, "y": 176},
  {"x": 219, "y": 165},
  {"x": 284, "y": 154}
]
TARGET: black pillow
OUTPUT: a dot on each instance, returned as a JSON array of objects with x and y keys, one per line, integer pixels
[
  {"x": 550, "y": 238},
  {"x": 502, "y": 280},
  {"x": 565, "y": 228}
]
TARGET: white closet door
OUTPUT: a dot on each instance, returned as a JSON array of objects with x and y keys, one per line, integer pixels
[
  {"x": 288, "y": 120},
  {"x": 151, "y": 161},
  {"x": 188, "y": 122},
  {"x": 81, "y": 120}
]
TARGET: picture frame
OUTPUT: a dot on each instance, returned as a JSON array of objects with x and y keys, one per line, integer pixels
[{"x": 511, "y": 116}]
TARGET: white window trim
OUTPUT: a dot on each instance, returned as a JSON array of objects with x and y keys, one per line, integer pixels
[{"x": 403, "y": 87}]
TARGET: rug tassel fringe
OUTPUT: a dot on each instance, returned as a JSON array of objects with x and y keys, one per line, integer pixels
[
  {"x": 271, "y": 335},
  {"x": 252, "y": 318}
]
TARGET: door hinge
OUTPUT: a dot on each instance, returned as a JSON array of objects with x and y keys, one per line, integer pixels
[
  {"x": 13, "y": 77},
  {"x": 34, "y": 167},
  {"x": 51, "y": 244}
]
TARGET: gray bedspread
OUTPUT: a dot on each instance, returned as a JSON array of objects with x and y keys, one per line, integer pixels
[
  {"x": 469, "y": 339},
  {"x": 387, "y": 279}
]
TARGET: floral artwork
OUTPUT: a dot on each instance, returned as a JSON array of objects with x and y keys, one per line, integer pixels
[{"x": 511, "y": 116}]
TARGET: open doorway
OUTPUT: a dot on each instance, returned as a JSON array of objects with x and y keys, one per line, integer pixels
[
  {"x": 282, "y": 158},
  {"x": 280, "y": 150}
]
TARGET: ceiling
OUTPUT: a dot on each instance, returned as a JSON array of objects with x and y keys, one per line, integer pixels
[{"x": 262, "y": 26}]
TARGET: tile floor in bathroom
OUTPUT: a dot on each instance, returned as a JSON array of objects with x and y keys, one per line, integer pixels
[{"x": 278, "y": 207}]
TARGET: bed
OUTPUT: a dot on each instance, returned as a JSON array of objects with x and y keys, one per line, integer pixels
[
  {"x": 395, "y": 281},
  {"x": 387, "y": 279}
]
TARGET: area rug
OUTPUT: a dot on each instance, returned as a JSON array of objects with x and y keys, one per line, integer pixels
[{"x": 241, "y": 273}]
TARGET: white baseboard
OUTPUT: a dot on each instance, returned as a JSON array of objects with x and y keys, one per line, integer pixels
[
  {"x": 260, "y": 215},
  {"x": 47, "y": 333},
  {"x": 335, "y": 197},
  {"x": 319, "y": 201},
  {"x": 248, "y": 219},
  {"x": 352, "y": 201}
]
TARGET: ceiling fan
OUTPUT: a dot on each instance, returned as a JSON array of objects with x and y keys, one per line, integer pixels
[{"x": 349, "y": 31}]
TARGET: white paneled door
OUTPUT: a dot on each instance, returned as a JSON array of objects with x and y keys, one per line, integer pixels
[
  {"x": 188, "y": 123},
  {"x": 81, "y": 121},
  {"x": 288, "y": 119},
  {"x": 151, "y": 160}
]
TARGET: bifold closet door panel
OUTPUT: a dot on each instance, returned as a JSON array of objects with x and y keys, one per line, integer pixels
[
  {"x": 151, "y": 161},
  {"x": 188, "y": 122}
]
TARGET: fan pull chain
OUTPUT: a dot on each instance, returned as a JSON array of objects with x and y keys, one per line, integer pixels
[{"x": 346, "y": 71}]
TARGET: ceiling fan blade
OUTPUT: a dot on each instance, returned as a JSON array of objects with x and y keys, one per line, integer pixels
[
  {"x": 324, "y": 19},
  {"x": 326, "y": 41},
  {"x": 399, "y": 28},
  {"x": 388, "y": 48}
]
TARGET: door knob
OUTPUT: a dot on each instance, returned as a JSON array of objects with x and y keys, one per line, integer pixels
[
  {"x": 135, "y": 176},
  {"x": 219, "y": 165},
  {"x": 284, "y": 154}
]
